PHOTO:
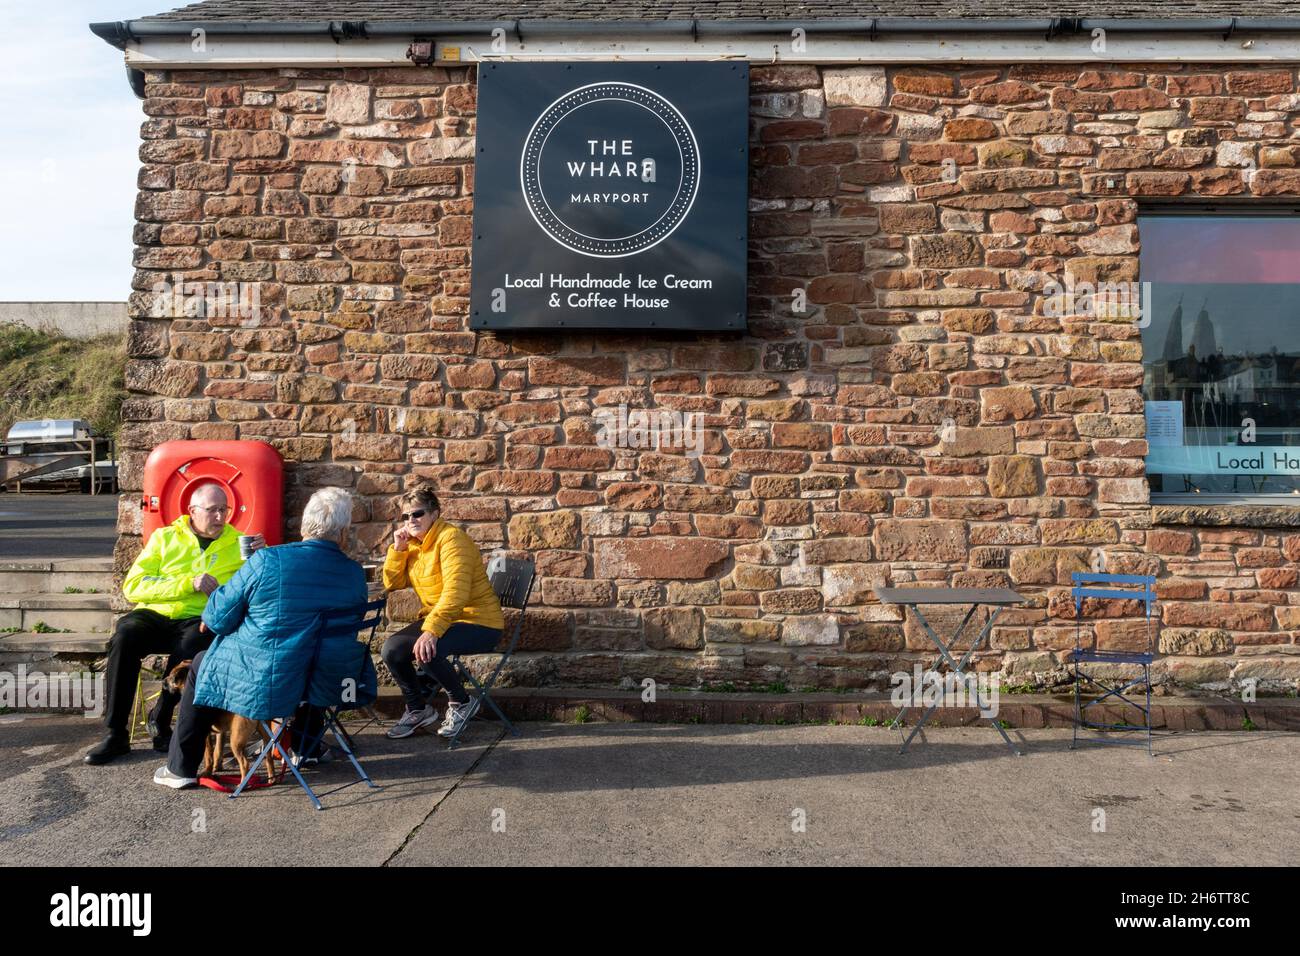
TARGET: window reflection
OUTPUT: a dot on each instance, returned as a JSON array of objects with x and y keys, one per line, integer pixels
[{"x": 1222, "y": 354}]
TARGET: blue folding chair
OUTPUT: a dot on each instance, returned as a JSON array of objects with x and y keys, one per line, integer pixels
[
  {"x": 512, "y": 580},
  {"x": 1104, "y": 586},
  {"x": 356, "y": 624}
]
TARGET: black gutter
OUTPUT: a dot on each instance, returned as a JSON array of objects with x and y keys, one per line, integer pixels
[
  {"x": 115, "y": 32},
  {"x": 120, "y": 33},
  {"x": 135, "y": 78}
]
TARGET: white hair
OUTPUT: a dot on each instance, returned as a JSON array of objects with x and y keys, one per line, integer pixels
[{"x": 328, "y": 513}]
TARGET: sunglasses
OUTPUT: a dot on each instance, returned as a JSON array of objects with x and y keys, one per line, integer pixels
[{"x": 407, "y": 516}]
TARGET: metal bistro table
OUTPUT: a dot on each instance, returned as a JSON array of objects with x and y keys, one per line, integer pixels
[{"x": 997, "y": 598}]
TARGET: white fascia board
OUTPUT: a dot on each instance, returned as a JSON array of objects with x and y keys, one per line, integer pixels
[{"x": 225, "y": 52}]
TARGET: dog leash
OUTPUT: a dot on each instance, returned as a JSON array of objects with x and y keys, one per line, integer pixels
[{"x": 228, "y": 782}]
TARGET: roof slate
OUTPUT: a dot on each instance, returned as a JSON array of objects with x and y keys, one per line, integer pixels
[{"x": 304, "y": 10}]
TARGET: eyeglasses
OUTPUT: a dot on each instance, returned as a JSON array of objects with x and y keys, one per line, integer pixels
[
  {"x": 213, "y": 511},
  {"x": 414, "y": 514}
]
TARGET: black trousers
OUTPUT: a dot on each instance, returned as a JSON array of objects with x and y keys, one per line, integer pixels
[
  {"x": 138, "y": 634},
  {"x": 195, "y": 723},
  {"x": 461, "y": 638}
]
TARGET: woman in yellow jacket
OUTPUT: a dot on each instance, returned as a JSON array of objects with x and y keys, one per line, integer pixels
[{"x": 461, "y": 614}]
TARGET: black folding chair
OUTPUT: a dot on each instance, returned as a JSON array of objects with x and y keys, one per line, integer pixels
[
  {"x": 512, "y": 580},
  {"x": 344, "y": 624},
  {"x": 371, "y": 711}
]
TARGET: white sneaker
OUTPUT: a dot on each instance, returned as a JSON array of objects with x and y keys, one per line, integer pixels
[
  {"x": 458, "y": 715},
  {"x": 166, "y": 778},
  {"x": 412, "y": 721}
]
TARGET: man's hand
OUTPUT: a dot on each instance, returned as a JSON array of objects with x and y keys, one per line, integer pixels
[
  {"x": 205, "y": 583},
  {"x": 426, "y": 648},
  {"x": 401, "y": 539},
  {"x": 256, "y": 542}
]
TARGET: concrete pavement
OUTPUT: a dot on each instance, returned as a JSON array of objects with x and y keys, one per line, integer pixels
[
  {"x": 55, "y": 810},
  {"x": 605, "y": 793}
]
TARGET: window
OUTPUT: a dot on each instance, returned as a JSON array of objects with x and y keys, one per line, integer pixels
[{"x": 1221, "y": 354}]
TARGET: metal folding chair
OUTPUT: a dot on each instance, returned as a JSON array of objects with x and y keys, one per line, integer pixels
[
  {"x": 140, "y": 709},
  {"x": 512, "y": 580},
  {"x": 344, "y": 624},
  {"x": 1086, "y": 586}
]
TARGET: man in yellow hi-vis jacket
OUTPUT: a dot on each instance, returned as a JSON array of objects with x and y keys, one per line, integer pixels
[{"x": 169, "y": 583}]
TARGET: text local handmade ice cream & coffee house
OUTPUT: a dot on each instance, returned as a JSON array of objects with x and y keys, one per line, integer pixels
[{"x": 963, "y": 302}]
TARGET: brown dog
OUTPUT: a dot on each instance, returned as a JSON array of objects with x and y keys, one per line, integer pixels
[{"x": 229, "y": 727}]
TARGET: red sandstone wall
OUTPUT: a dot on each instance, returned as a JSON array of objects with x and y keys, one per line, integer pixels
[{"x": 347, "y": 198}]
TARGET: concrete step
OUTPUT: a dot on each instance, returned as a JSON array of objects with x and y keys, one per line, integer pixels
[
  {"x": 63, "y": 612},
  {"x": 89, "y": 575},
  {"x": 39, "y": 646}
]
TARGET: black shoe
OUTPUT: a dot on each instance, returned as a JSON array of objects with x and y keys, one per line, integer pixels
[
  {"x": 109, "y": 749},
  {"x": 162, "y": 742},
  {"x": 156, "y": 727}
]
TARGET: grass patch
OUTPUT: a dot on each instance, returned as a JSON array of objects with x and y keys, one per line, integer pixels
[
  {"x": 40, "y": 627},
  {"x": 582, "y": 715},
  {"x": 890, "y": 722},
  {"x": 45, "y": 375},
  {"x": 71, "y": 590},
  {"x": 1248, "y": 724}
]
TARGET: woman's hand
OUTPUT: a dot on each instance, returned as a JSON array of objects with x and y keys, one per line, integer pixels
[
  {"x": 205, "y": 583},
  {"x": 401, "y": 539},
  {"x": 426, "y": 648}
]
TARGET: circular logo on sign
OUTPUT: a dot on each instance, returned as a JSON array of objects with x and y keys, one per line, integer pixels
[{"x": 610, "y": 169}]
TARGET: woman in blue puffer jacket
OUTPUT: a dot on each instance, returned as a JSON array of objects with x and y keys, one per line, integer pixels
[{"x": 265, "y": 619}]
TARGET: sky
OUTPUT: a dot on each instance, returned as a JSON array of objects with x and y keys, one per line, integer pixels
[
  {"x": 70, "y": 129},
  {"x": 1243, "y": 270},
  {"x": 1221, "y": 249}
]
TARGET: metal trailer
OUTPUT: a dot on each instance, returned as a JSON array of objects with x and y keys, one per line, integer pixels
[{"x": 54, "y": 451}]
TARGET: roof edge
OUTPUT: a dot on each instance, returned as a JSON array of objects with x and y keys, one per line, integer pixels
[{"x": 120, "y": 33}]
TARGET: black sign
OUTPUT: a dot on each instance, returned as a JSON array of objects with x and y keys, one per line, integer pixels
[{"x": 611, "y": 195}]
